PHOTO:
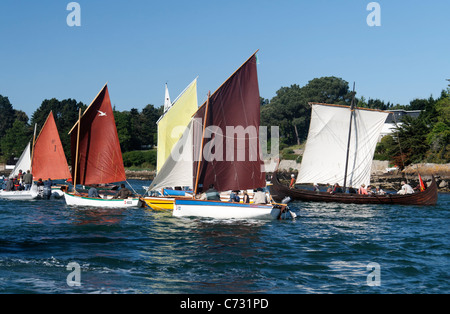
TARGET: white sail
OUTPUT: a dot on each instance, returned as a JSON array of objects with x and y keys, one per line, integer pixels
[
  {"x": 24, "y": 162},
  {"x": 167, "y": 103},
  {"x": 178, "y": 168},
  {"x": 173, "y": 122},
  {"x": 326, "y": 147}
]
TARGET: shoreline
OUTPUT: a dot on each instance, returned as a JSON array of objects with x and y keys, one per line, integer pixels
[{"x": 386, "y": 181}]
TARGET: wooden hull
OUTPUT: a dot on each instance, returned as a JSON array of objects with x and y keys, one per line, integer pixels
[
  {"x": 220, "y": 210},
  {"x": 159, "y": 203},
  {"x": 427, "y": 197},
  {"x": 79, "y": 200}
]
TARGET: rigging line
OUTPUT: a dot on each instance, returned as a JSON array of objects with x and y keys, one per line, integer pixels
[
  {"x": 133, "y": 188},
  {"x": 400, "y": 146}
]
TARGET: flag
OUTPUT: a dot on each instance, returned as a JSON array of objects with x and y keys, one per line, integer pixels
[{"x": 422, "y": 185}]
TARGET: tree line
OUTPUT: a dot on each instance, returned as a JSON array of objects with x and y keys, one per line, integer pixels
[{"x": 424, "y": 139}]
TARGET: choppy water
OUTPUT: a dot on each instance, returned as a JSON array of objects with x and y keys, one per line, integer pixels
[{"x": 325, "y": 250}]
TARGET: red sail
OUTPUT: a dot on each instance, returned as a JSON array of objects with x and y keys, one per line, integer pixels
[
  {"x": 49, "y": 160},
  {"x": 235, "y": 106},
  {"x": 99, "y": 154}
]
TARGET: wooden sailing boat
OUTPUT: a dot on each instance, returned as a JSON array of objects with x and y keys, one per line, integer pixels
[
  {"x": 339, "y": 149},
  {"x": 175, "y": 149},
  {"x": 236, "y": 104},
  {"x": 47, "y": 160},
  {"x": 96, "y": 154}
]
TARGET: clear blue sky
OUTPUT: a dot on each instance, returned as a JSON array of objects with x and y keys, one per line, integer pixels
[{"x": 139, "y": 45}]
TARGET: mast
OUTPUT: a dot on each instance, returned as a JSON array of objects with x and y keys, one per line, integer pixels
[
  {"x": 352, "y": 109},
  {"x": 32, "y": 147},
  {"x": 201, "y": 145},
  {"x": 76, "y": 154}
]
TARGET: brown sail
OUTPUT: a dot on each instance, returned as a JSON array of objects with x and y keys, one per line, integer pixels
[
  {"x": 99, "y": 154},
  {"x": 49, "y": 160},
  {"x": 228, "y": 155}
]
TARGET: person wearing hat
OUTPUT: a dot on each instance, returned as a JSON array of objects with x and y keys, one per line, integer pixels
[{"x": 291, "y": 186}]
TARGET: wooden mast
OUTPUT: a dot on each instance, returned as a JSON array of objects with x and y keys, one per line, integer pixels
[
  {"x": 352, "y": 109},
  {"x": 76, "y": 154},
  {"x": 201, "y": 145}
]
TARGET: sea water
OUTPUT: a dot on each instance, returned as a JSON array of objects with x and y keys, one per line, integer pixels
[{"x": 48, "y": 247}]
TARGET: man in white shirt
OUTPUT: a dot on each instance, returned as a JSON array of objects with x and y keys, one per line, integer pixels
[
  {"x": 406, "y": 189},
  {"x": 260, "y": 197}
]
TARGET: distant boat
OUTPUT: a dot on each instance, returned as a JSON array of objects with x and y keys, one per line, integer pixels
[
  {"x": 236, "y": 104},
  {"x": 339, "y": 149},
  {"x": 96, "y": 154},
  {"x": 47, "y": 160}
]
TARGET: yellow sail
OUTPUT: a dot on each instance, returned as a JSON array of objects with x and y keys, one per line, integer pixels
[{"x": 173, "y": 123}]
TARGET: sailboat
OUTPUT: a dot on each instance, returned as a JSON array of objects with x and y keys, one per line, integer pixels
[
  {"x": 96, "y": 154},
  {"x": 230, "y": 160},
  {"x": 339, "y": 149},
  {"x": 175, "y": 150},
  {"x": 24, "y": 164},
  {"x": 47, "y": 160}
]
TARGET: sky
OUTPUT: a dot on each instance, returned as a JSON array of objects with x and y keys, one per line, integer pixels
[{"x": 137, "y": 46}]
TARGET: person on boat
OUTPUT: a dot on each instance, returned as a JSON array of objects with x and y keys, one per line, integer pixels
[
  {"x": 260, "y": 197},
  {"x": 292, "y": 184},
  {"x": 246, "y": 198},
  {"x": 48, "y": 188},
  {"x": 212, "y": 194},
  {"x": 336, "y": 189},
  {"x": 234, "y": 197},
  {"x": 93, "y": 192},
  {"x": 20, "y": 177},
  {"x": 10, "y": 185},
  {"x": 330, "y": 188},
  {"x": 380, "y": 191},
  {"x": 123, "y": 192},
  {"x": 362, "y": 190},
  {"x": 406, "y": 189},
  {"x": 28, "y": 180},
  {"x": 17, "y": 186},
  {"x": 351, "y": 190},
  {"x": 316, "y": 187}
]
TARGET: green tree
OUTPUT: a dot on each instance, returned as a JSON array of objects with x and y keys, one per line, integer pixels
[
  {"x": 16, "y": 139},
  {"x": 7, "y": 116},
  {"x": 65, "y": 113},
  {"x": 439, "y": 137}
]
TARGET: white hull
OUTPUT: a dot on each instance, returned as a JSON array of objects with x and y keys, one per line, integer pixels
[
  {"x": 77, "y": 200},
  {"x": 220, "y": 210},
  {"x": 19, "y": 195}
]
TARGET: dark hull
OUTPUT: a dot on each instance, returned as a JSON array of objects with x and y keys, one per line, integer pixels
[{"x": 427, "y": 197}]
